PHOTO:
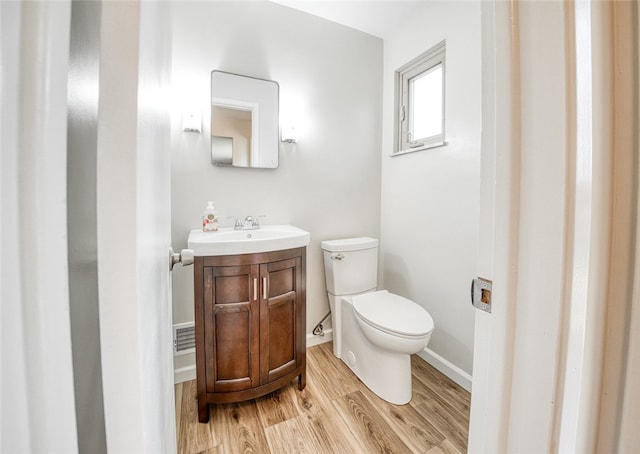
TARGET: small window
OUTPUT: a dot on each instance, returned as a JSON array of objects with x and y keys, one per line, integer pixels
[{"x": 420, "y": 102}]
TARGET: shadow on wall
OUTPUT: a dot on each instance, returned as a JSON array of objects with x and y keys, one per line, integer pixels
[
  {"x": 395, "y": 271},
  {"x": 394, "y": 280}
]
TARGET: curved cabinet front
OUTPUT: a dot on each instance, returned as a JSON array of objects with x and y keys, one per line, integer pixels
[{"x": 250, "y": 318}]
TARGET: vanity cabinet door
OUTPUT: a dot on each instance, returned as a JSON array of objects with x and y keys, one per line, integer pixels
[
  {"x": 280, "y": 316},
  {"x": 232, "y": 342},
  {"x": 250, "y": 318}
]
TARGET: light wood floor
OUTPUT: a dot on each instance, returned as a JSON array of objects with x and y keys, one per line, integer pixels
[{"x": 335, "y": 413}]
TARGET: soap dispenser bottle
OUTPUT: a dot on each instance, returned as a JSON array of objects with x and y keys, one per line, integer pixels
[{"x": 209, "y": 218}]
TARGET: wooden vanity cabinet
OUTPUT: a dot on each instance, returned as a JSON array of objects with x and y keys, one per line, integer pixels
[{"x": 250, "y": 317}]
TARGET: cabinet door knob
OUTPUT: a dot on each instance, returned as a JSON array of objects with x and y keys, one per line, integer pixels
[
  {"x": 264, "y": 288},
  {"x": 255, "y": 288}
]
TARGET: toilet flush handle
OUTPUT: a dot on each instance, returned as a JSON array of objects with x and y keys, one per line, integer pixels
[{"x": 337, "y": 257}]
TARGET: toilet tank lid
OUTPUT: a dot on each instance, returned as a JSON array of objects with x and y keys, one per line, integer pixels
[{"x": 349, "y": 244}]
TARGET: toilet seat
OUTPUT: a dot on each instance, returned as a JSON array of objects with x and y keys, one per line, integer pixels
[{"x": 392, "y": 314}]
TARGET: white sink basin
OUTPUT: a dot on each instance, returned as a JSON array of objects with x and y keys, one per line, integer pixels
[{"x": 229, "y": 241}]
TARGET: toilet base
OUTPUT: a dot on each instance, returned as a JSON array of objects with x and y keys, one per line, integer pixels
[
  {"x": 386, "y": 373},
  {"x": 392, "y": 382}
]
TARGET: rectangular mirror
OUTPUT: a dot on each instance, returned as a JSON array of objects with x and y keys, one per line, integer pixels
[{"x": 244, "y": 121}]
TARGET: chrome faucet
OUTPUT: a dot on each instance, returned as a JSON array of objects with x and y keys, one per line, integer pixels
[{"x": 250, "y": 223}]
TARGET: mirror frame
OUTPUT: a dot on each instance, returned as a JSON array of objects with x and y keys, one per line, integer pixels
[{"x": 262, "y": 98}]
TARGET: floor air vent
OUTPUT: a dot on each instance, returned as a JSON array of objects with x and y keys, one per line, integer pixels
[{"x": 184, "y": 338}]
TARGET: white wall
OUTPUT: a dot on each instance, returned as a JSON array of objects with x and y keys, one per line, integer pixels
[
  {"x": 330, "y": 79},
  {"x": 429, "y": 211}
]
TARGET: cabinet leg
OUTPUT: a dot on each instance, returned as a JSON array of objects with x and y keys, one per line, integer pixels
[
  {"x": 302, "y": 380},
  {"x": 203, "y": 411}
]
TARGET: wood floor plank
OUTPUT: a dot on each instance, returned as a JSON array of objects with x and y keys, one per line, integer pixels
[
  {"x": 443, "y": 416},
  {"x": 459, "y": 397},
  {"x": 330, "y": 375},
  {"x": 177, "y": 390},
  {"x": 336, "y": 412},
  {"x": 309, "y": 400},
  {"x": 239, "y": 427},
  {"x": 278, "y": 406},
  {"x": 367, "y": 425},
  {"x": 454, "y": 431},
  {"x": 214, "y": 450},
  {"x": 193, "y": 436},
  {"x": 429, "y": 385},
  {"x": 445, "y": 447},
  {"x": 427, "y": 394},
  {"x": 290, "y": 402},
  {"x": 311, "y": 433},
  {"x": 414, "y": 429}
]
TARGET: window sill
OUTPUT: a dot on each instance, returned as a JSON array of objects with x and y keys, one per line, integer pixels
[{"x": 413, "y": 150}]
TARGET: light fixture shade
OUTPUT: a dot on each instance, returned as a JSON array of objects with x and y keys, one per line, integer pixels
[
  {"x": 192, "y": 121},
  {"x": 289, "y": 134}
]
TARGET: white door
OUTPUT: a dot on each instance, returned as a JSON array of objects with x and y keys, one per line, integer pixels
[
  {"x": 134, "y": 230},
  {"x": 36, "y": 374},
  {"x": 133, "y": 216},
  {"x": 526, "y": 225},
  {"x": 557, "y": 150}
]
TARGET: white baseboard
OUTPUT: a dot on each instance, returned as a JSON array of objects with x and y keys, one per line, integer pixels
[
  {"x": 450, "y": 370},
  {"x": 184, "y": 374},
  {"x": 317, "y": 340}
]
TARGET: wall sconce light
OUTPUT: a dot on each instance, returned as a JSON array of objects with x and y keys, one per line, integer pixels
[
  {"x": 289, "y": 134},
  {"x": 192, "y": 121}
]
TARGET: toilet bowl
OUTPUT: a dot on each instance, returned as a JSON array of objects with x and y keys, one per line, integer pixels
[
  {"x": 393, "y": 322},
  {"x": 374, "y": 331}
]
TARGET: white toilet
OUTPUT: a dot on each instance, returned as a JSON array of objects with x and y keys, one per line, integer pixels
[{"x": 374, "y": 332}]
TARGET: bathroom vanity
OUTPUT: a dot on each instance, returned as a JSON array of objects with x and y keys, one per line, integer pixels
[{"x": 250, "y": 319}]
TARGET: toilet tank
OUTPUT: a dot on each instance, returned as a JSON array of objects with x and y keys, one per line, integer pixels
[{"x": 350, "y": 265}]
